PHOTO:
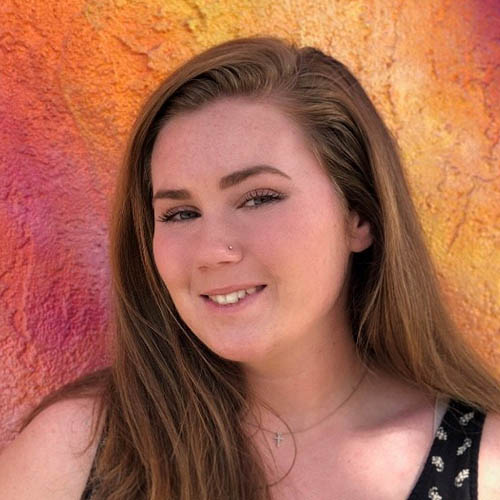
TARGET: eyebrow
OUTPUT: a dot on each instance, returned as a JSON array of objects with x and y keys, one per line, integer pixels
[{"x": 225, "y": 182}]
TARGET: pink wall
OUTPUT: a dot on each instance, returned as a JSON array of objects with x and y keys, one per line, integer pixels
[{"x": 72, "y": 75}]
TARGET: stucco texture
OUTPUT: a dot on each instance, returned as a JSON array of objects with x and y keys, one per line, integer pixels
[{"x": 73, "y": 74}]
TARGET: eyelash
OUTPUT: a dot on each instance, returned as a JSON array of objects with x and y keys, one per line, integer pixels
[{"x": 273, "y": 197}]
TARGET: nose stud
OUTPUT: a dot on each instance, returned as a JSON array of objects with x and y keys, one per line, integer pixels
[{"x": 230, "y": 247}]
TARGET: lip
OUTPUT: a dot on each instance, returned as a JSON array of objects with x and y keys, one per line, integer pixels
[
  {"x": 247, "y": 301},
  {"x": 233, "y": 288}
]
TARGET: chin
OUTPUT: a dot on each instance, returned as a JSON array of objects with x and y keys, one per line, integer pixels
[{"x": 243, "y": 351}]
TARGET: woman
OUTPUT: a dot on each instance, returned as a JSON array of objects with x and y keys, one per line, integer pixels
[{"x": 279, "y": 332}]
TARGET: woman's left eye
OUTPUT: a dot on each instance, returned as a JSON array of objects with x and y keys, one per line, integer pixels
[{"x": 262, "y": 197}]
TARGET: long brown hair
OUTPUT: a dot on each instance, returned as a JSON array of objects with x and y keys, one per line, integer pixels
[{"x": 173, "y": 406}]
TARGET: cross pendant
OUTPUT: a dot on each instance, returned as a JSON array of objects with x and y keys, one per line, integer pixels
[{"x": 278, "y": 438}]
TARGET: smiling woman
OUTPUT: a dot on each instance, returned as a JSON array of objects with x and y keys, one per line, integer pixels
[{"x": 279, "y": 329}]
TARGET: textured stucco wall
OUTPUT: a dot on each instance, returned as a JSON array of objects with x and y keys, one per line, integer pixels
[{"x": 72, "y": 75}]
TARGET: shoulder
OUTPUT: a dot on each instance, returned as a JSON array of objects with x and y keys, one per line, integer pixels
[
  {"x": 489, "y": 458},
  {"x": 52, "y": 456}
]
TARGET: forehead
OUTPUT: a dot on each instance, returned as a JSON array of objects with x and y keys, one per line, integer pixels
[{"x": 229, "y": 134}]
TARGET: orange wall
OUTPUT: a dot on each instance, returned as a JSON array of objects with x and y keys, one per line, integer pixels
[{"x": 72, "y": 75}]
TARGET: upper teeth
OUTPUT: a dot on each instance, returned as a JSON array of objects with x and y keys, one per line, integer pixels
[{"x": 232, "y": 297}]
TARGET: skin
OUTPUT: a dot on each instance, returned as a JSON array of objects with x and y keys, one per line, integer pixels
[
  {"x": 294, "y": 341},
  {"x": 50, "y": 459}
]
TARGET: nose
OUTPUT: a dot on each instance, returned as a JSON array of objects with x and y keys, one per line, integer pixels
[{"x": 217, "y": 246}]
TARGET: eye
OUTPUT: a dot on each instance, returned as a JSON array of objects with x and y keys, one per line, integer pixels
[
  {"x": 171, "y": 216},
  {"x": 262, "y": 197},
  {"x": 259, "y": 197}
]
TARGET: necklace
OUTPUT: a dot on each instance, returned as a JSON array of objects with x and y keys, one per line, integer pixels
[{"x": 279, "y": 436}]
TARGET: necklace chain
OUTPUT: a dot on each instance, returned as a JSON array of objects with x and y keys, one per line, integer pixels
[{"x": 279, "y": 436}]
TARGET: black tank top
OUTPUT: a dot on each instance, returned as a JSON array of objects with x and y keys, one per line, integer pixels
[{"x": 450, "y": 470}]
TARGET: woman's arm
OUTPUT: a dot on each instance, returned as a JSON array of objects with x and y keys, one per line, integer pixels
[
  {"x": 51, "y": 458},
  {"x": 489, "y": 459}
]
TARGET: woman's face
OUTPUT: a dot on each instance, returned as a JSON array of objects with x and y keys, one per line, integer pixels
[{"x": 239, "y": 172}]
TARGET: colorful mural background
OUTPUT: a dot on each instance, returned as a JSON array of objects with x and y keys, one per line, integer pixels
[{"x": 73, "y": 74}]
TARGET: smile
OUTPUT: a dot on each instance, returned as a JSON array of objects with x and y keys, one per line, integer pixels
[
  {"x": 235, "y": 300},
  {"x": 234, "y": 297}
]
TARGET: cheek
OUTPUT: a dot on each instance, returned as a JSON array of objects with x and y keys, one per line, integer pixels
[
  {"x": 168, "y": 261},
  {"x": 318, "y": 255}
]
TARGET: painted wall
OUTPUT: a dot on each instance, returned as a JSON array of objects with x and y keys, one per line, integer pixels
[{"x": 72, "y": 75}]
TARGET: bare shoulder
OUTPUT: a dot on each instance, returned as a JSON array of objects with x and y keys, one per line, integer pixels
[
  {"x": 489, "y": 459},
  {"x": 52, "y": 456}
]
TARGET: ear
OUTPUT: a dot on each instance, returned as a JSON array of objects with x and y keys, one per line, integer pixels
[{"x": 360, "y": 232}]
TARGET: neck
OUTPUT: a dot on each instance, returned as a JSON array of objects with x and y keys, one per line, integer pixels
[{"x": 305, "y": 385}]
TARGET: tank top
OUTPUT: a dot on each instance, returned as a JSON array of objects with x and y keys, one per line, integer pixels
[{"x": 450, "y": 470}]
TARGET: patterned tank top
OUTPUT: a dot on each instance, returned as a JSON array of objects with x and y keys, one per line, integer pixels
[{"x": 450, "y": 470}]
